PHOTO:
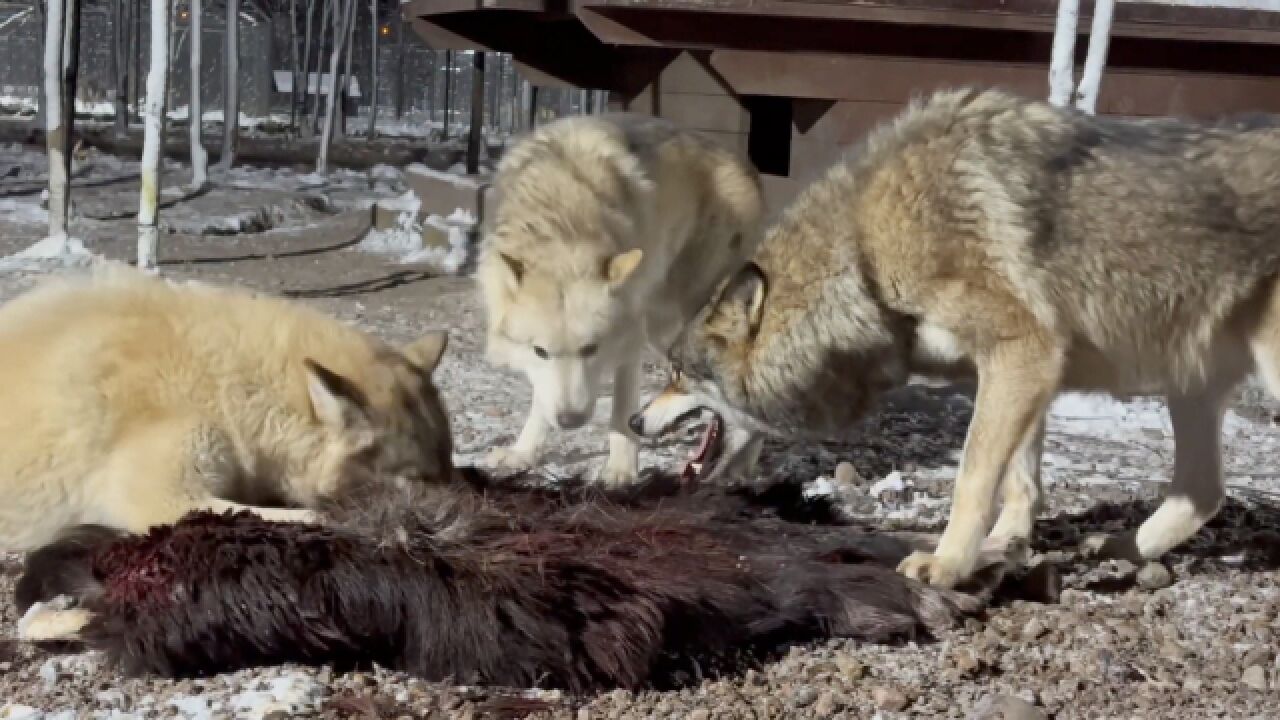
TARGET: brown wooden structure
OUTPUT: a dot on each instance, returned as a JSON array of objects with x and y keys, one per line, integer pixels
[{"x": 787, "y": 82}]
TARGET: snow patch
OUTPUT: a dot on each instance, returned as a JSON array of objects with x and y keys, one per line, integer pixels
[
  {"x": 192, "y": 707},
  {"x": 20, "y": 712},
  {"x": 821, "y": 487},
  {"x": 384, "y": 172},
  {"x": 55, "y": 249},
  {"x": 893, "y": 482},
  {"x": 292, "y": 694},
  {"x": 405, "y": 240},
  {"x": 15, "y": 105},
  {"x": 1102, "y": 415},
  {"x": 23, "y": 212},
  {"x": 457, "y": 179}
]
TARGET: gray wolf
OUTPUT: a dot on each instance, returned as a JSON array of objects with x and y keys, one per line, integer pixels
[
  {"x": 130, "y": 401},
  {"x": 412, "y": 577},
  {"x": 608, "y": 233},
  {"x": 1036, "y": 249}
]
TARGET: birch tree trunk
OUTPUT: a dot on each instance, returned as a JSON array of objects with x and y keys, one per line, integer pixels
[
  {"x": 57, "y": 122},
  {"x": 1061, "y": 64},
  {"x": 1096, "y": 60},
  {"x": 120, "y": 65},
  {"x": 153, "y": 138},
  {"x": 340, "y": 31},
  {"x": 61, "y": 64},
  {"x": 199, "y": 158},
  {"x": 230, "y": 85}
]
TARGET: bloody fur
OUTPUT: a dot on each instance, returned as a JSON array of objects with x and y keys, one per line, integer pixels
[{"x": 572, "y": 589}]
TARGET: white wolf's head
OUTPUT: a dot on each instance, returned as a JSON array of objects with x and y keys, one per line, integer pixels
[{"x": 565, "y": 330}]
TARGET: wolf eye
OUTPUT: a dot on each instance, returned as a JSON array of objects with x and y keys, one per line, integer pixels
[
  {"x": 589, "y": 350},
  {"x": 540, "y": 351}
]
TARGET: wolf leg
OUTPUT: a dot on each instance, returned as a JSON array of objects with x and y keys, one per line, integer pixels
[
  {"x": 1197, "y": 489},
  {"x": 1021, "y": 492},
  {"x": 622, "y": 465},
  {"x": 1017, "y": 380},
  {"x": 168, "y": 469},
  {"x": 522, "y": 455}
]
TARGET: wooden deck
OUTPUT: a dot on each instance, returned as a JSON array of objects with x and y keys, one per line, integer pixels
[{"x": 787, "y": 81}]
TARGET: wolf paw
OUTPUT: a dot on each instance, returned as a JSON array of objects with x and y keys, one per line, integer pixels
[
  {"x": 612, "y": 476},
  {"x": 932, "y": 569},
  {"x": 52, "y": 622},
  {"x": 508, "y": 461}
]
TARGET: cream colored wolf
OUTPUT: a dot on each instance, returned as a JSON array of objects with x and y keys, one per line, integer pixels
[
  {"x": 609, "y": 233},
  {"x": 128, "y": 400},
  {"x": 1041, "y": 248}
]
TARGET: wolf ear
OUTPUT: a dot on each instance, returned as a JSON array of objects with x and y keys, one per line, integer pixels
[
  {"x": 515, "y": 270},
  {"x": 426, "y": 351},
  {"x": 621, "y": 266},
  {"x": 746, "y": 290},
  {"x": 335, "y": 400}
]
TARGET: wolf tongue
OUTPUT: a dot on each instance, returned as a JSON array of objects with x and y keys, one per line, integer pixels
[{"x": 690, "y": 473}]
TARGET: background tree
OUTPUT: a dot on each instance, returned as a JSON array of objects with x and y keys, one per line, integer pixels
[
  {"x": 231, "y": 85},
  {"x": 153, "y": 135}
]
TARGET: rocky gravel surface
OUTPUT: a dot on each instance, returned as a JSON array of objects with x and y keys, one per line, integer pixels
[{"x": 1194, "y": 637}]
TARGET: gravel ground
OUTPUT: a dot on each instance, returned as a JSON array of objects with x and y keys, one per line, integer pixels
[{"x": 1193, "y": 638}]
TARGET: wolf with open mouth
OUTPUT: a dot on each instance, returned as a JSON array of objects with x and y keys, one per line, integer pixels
[{"x": 728, "y": 450}]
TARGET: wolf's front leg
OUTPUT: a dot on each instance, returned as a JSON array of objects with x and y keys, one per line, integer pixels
[
  {"x": 523, "y": 454},
  {"x": 1016, "y": 383},
  {"x": 622, "y": 465},
  {"x": 1021, "y": 492}
]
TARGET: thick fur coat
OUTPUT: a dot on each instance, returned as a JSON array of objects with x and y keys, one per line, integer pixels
[
  {"x": 517, "y": 588},
  {"x": 1037, "y": 247},
  {"x": 129, "y": 401},
  {"x": 607, "y": 234}
]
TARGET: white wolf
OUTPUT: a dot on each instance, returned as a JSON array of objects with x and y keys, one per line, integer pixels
[{"x": 608, "y": 234}]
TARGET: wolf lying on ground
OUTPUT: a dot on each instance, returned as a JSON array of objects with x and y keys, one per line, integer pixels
[
  {"x": 608, "y": 233},
  {"x": 462, "y": 582},
  {"x": 129, "y": 401},
  {"x": 1039, "y": 248}
]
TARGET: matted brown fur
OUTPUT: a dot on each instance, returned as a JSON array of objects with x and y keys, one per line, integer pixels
[{"x": 516, "y": 587}]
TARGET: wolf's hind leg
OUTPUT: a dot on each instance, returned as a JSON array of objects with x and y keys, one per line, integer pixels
[{"x": 1197, "y": 490}]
